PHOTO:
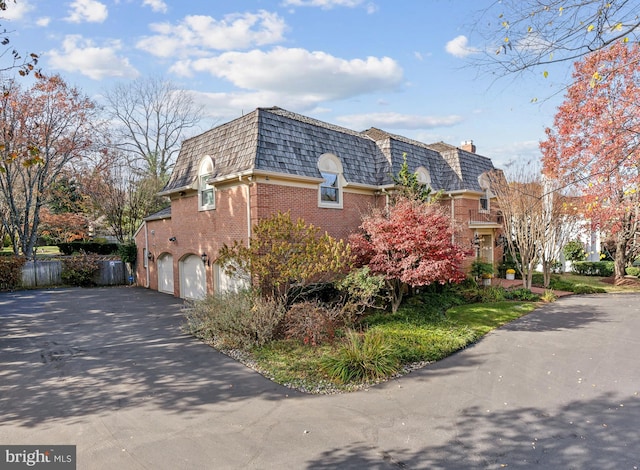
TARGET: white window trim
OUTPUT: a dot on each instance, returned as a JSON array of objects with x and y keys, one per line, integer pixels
[
  {"x": 331, "y": 164},
  {"x": 486, "y": 197},
  {"x": 203, "y": 187}
]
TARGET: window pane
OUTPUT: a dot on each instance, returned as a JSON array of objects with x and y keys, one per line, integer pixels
[
  {"x": 329, "y": 191},
  {"x": 207, "y": 197}
]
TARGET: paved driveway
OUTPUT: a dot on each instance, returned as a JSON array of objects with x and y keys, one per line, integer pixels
[{"x": 109, "y": 371}]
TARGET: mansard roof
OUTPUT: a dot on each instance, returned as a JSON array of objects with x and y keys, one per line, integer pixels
[{"x": 280, "y": 141}]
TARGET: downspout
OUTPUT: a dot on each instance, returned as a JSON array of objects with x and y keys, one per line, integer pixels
[
  {"x": 248, "y": 184},
  {"x": 453, "y": 218},
  {"x": 145, "y": 263}
]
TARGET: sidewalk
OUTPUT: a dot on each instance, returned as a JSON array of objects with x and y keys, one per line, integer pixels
[{"x": 508, "y": 284}]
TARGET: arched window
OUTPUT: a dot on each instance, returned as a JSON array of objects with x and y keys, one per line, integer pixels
[
  {"x": 330, "y": 191},
  {"x": 206, "y": 191},
  {"x": 424, "y": 177}
]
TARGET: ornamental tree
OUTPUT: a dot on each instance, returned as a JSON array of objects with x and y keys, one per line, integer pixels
[
  {"x": 410, "y": 244},
  {"x": 594, "y": 144},
  {"x": 283, "y": 254}
]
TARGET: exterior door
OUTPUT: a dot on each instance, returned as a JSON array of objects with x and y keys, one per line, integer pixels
[
  {"x": 193, "y": 278},
  {"x": 486, "y": 248},
  {"x": 165, "y": 273}
]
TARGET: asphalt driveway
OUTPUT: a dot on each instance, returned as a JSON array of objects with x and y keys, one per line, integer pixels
[{"x": 109, "y": 371}]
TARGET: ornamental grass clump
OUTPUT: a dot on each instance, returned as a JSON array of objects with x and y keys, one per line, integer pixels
[
  {"x": 236, "y": 320},
  {"x": 363, "y": 357}
]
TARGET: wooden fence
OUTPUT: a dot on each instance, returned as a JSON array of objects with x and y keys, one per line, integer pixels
[{"x": 45, "y": 273}]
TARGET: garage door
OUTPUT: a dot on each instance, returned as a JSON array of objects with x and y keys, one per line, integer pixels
[
  {"x": 165, "y": 273},
  {"x": 193, "y": 278}
]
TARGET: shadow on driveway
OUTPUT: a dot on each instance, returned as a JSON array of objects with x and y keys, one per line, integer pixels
[{"x": 66, "y": 353}]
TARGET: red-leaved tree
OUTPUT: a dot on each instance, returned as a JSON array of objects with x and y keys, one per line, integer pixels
[
  {"x": 594, "y": 144},
  {"x": 410, "y": 244}
]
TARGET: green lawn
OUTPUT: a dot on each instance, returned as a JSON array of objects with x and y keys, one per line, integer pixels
[
  {"x": 41, "y": 250},
  {"x": 597, "y": 282},
  {"x": 417, "y": 334}
]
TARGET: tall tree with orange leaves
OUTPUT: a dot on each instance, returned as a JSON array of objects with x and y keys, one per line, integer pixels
[
  {"x": 594, "y": 144},
  {"x": 43, "y": 130}
]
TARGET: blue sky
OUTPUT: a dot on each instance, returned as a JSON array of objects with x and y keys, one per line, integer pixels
[{"x": 401, "y": 66}]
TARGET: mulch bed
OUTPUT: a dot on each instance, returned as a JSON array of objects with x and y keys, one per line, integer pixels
[{"x": 629, "y": 281}]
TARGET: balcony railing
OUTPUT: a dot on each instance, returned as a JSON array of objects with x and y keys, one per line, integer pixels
[{"x": 478, "y": 217}]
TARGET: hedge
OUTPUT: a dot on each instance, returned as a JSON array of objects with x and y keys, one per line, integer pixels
[
  {"x": 11, "y": 272},
  {"x": 88, "y": 247},
  {"x": 593, "y": 268}
]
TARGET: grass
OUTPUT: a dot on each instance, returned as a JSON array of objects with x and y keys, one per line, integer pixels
[
  {"x": 420, "y": 332},
  {"x": 41, "y": 250},
  {"x": 596, "y": 282}
]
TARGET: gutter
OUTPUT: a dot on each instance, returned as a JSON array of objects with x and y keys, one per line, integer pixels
[{"x": 145, "y": 262}]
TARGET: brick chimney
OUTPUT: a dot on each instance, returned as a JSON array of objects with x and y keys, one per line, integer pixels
[{"x": 468, "y": 146}]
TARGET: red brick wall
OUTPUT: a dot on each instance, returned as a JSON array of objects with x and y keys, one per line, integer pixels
[
  {"x": 198, "y": 232},
  {"x": 303, "y": 203}
]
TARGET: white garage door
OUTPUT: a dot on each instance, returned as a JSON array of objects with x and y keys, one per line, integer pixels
[
  {"x": 193, "y": 278},
  {"x": 165, "y": 273}
]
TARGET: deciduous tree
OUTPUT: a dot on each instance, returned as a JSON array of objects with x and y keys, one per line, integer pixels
[
  {"x": 524, "y": 34},
  {"x": 594, "y": 144},
  {"x": 410, "y": 244},
  {"x": 25, "y": 65},
  {"x": 150, "y": 118},
  {"x": 42, "y": 131}
]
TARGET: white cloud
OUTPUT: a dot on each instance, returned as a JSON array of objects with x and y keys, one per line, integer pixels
[
  {"x": 43, "y": 22},
  {"x": 156, "y": 5},
  {"x": 514, "y": 153},
  {"x": 221, "y": 107},
  {"x": 310, "y": 76},
  {"x": 324, "y": 4},
  {"x": 91, "y": 11},
  {"x": 398, "y": 121},
  {"x": 197, "y": 32},
  {"x": 83, "y": 56},
  {"x": 458, "y": 47},
  {"x": 16, "y": 11}
]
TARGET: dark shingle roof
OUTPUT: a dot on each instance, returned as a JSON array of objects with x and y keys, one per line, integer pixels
[
  {"x": 276, "y": 140},
  {"x": 161, "y": 214}
]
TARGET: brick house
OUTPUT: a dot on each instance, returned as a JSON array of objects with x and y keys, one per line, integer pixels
[{"x": 270, "y": 160}]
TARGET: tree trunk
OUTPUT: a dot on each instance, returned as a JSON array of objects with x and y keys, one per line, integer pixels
[
  {"x": 619, "y": 261},
  {"x": 396, "y": 287}
]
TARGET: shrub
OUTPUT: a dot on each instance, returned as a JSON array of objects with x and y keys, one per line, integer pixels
[
  {"x": 583, "y": 289},
  {"x": 363, "y": 357},
  {"x": 79, "y": 270},
  {"x": 88, "y": 247},
  {"x": 128, "y": 252},
  {"x": 311, "y": 323},
  {"x": 574, "y": 251},
  {"x": 234, "y": 319},
  {"x": 11, "y": 271},
  {"x": 479, "y": 269},
  {"x": 491, "y": 294},
  {"x": 633, "y": 271},
  {"x": 593, "y": 268},
  {"x": 521, "y": 294},
  {"x": 362, "y": 290}
]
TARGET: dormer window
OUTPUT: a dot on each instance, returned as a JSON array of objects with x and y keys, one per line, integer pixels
[
  {"x": 206, "y": 191},
  {"x": 330, "y": 191},
  {"x": 484, "y": 202},
  {"x": 424, "y": 177}
]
